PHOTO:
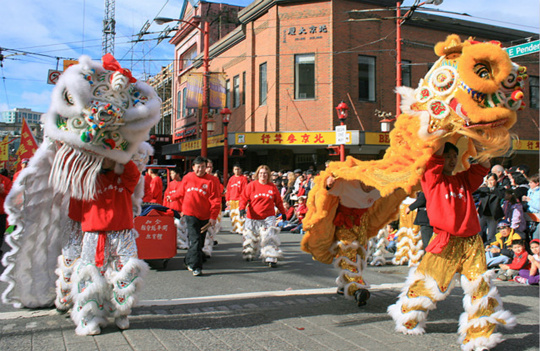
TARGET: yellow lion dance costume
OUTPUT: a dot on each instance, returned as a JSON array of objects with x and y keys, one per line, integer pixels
[{"x": 471, "y": 93}]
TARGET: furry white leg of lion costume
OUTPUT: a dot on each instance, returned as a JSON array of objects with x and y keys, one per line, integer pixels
[
  {"x": 270, "y": 242},
  {"x": 71, "y": 252}
]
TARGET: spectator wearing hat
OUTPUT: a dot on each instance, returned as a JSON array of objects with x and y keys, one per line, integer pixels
[
  {"x": 500, "y": 250},
  {"x": 531, "y": 276},
  {"x": 24, "y": 163}
]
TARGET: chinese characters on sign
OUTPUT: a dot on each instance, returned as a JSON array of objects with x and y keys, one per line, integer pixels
[
  {"x": 289, "y": 138},
  {"x": 530, "y": 145},
  {"x": 303, "y": 33}
]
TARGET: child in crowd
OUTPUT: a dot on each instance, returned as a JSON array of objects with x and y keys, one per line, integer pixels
[
  {"x": 500, "y": 251},
  {"x": 392, "y": 229},
  {"x": 300, "y": 211},
  {"x": 520, "y": 261},
  {"x": 531, "y": 276}
]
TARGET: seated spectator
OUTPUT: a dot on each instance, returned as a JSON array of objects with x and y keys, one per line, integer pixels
[
  {"x": 283, "y": 222},
  {"x": 300, "y": 211},
  {"x": 531, "y": 276},
  {"x": 392, "y": 229},
  {"x": 500, "y": 251},
  {"x": 531, "y": 201},
  {"x": 513, "y": 212},
  {"x": 520, "y": 261}
]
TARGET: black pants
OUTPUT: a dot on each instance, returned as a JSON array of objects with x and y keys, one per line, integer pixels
[
  {"x": 427, "y": 232},
  {"x": 2, "y": 229},
  {"x": 195, "y": 255}
]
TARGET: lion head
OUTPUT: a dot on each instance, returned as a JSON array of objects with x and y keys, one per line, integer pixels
[{"x": 474, "y": 89}]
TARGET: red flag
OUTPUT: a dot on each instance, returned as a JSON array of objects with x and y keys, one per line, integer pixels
[{"x": 28, "y": 144}]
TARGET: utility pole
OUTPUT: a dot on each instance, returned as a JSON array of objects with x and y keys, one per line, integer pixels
[{"x": 109, "y": 28}]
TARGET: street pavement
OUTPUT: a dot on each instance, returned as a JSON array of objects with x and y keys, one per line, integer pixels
[{"x": 239, "y": 305}]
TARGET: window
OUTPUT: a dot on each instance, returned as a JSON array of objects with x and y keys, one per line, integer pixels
[
  {"x": 366, "y": 78},
  {"x": 179, "y": 105},
  {"x": 184, "y": 103},
  {"x": 228, "y": 92},
  {"x": 533, "y": 92},
  {"x": 243, "y": 88},
  {"x": 186, "y": 60},
  {"x": 236, "y": 91},
  {"x": 406, "y": 73},
  {"x": 263, "y": 84},
  {"x": 304, "y": 76}
]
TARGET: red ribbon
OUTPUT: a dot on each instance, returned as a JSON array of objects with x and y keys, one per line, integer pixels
[
  {"x": 100, "y": 249},
  {"x": 110, "y": 64}
]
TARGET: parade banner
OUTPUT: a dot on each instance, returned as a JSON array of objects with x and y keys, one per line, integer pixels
[
  {"x": 194, "y": 91},
  {"x": 28, "y": 145},
  {"x": 4, "y": 149},
  {"x": 217, "y": 91}
]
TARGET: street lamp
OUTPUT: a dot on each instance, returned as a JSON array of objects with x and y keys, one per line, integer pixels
[
  {"x": 206, "y": 39},
  {"x": 226, "y": 116},
  {"x": 399, "y": 22},
  {"x": 342, "y": 111}
]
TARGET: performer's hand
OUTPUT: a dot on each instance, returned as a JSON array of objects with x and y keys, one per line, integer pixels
[
  {"x": 212, "y": 222},
  {"x": 242, "y": 213},
  {"x": 504, "y": 266},
  {"x": 407, "y": 210}
]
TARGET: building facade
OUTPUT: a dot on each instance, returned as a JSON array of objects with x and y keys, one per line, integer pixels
[
  {"x": 289, "y": 63},
  {"x": 17, "y": 114}
]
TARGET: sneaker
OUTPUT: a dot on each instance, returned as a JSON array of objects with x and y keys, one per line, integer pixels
[
  {"x": 197, "y": 272},
  {"x": 361, "y": 296},
  {"x": 521, "y": 280},
  {"x": 272, "y": 264},
  {"x": 340, "y": 291},
  {"x": 122, "y": 322},
  {"x": 189, "y": 268}
]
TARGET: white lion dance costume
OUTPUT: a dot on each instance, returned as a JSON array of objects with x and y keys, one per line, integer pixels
[
  {"x": 471, "y": 93},
  {"x": 98, "y": 112}
]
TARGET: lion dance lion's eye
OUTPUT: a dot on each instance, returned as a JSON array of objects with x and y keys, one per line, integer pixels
[
  {"x": 68, "y": 98},
  {"x": 482, "y": 71}
]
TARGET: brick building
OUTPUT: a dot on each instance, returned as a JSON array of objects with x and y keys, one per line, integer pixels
[{"x": 289, "y": 63}]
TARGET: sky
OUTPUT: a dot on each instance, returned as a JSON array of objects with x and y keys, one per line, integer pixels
[{"x": 53, "y": 30}]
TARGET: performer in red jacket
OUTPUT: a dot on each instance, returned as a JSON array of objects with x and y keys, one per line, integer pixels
[
  {"x": 171, "y": 198},
  {"x": 109, "y": 273},
  {"x": 236, "y": 185},
  {"x": 200, "y": 207},
  {"x": 454, "y": 248},
  {"x": 261, "y": 198}
]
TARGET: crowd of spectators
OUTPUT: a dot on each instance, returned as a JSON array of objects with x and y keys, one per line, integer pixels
[{"x": 509, "y": 210}]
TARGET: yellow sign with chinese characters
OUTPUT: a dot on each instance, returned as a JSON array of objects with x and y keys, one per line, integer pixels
[
  {"x": 191, "y": 145},
  {"x": 289, "y": 138},
  {"x": 525, "y": 145}
]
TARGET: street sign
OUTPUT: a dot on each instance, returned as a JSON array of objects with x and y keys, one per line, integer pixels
[
  {"x": 52, "y": 77},
  {"x": 523, "y": 49},
  {"x": 341, "y": 135}
]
